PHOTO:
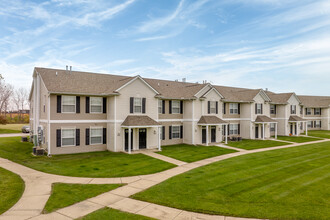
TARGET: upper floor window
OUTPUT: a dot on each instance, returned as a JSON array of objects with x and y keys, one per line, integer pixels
[
  {"x": 68, "y": 137},
  {"x": 96, "y": 104},
  {"x": 258, "y": 108},
  {"x": 317, "y": 111},
  {"x": 233, "y": 129},
  {"x": 213, "y": 107},
  {"x": 293, "y": 109},
  {"x": 96, "y": 135},
  {"x": 68, "y": 104},
  {"x": 176, "y": 107},
  {"x": 233, "y": 108},
  {"x": 301, "y": 110},
  {"x": 308, "y": 111},
  {"x": 272, "y": 109},
  {"x": 160, "y": 106},
  {"x": 137, "y": 105}
]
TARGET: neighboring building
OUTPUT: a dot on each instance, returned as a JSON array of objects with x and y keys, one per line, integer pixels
[{"x": 74, "y": 112}]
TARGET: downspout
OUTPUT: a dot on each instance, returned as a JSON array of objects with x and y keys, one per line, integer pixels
[{"x": 48, "y": 129}]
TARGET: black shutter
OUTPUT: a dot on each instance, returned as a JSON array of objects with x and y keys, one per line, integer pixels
[
  {"x": 163, "y": 106},
  {"x": 87, "y": 104},
  {"x": 262, "y": 109},
  {"x": 216, "y": 107},
  {"x": 314, "y": 124},
  {"x": 59, "y": 103},
  {"x": 295, "y": 109},
  {"x": 104, "y": 104},
  {"x": 131, "y": 104},
  {"x": 143, "y": 105},
  {"x": 170, "y": 132},
  {"x": 87, "y": 136},
  {"x": 256, "y": 108},
  {"x": 320, "y": 124},
  {"x": 224, "y": 108},
  {"x": 239, "y": 108},
  {"x": 181, "y": 107},
  {"x": 228, "y": 129},
  {"x": 208, "y": 107},
  {"x": 320, "y": 111},
  {"x": 239, "y": 129},
  {"x": 58, "y": 138},
  {"x": 104, "y": 135},
  {"x": 181, "y": 131},
  {"x": 163, "y": 132},
  {"x": 170, "y": 106},
  {"x": 275, "y": 108},
  {"x": 77, "y": 104},
  {"x": 77, "y": 137}
]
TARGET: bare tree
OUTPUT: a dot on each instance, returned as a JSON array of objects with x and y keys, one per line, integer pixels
[
  {"x": 20, "y": 99},
  {"x": 6, "y": 91}
]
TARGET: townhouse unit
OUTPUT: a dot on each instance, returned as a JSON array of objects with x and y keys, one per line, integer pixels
[{"x": 73, "y": 112}]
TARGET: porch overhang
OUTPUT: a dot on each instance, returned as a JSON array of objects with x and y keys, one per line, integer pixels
[
  {"x": 211, "y": 120},
  {"x": 263, "y": 119},
  {"x": 139, "y": 121},
  {"x": 295, "y": 118}
]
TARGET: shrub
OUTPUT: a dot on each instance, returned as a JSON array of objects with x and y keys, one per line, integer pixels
[{"x": 3, "y": 120}]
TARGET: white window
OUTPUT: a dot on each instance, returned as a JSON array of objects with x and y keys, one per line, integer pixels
[
  {"x": 176, "y": 107},
  {"x": 137, "y": 105},
  {"x": 175, "y": 131},
  {"x": 272, "y": 126},
  {"x": 68, "y": 136},
  {"x": 317, "y": 124},
  {"x": 308, "y": 111},
  {"x": 272, "y": 109},
  {"x": 68, "y": 104},
  {"x": 213, "y": 107},
  {"x": 160, "y": 106},
  {"x": 96, "y": 135},
  {"x": 96, "y": 104},
  {"x": 317, "y": 111},
  {"x": 259, "y": 108},
  {"x": 233, "y": 108},
  {"x": 309, "y": 124},
  {"x": 293, "y": 109},
  {"x": 233, "y": 129}
]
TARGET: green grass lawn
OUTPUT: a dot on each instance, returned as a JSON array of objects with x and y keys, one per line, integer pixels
[
  {"x": 191, "y": 153},
  {"x": 95, "y": 164},
  {"x": 11, "y": 128},
  {"x": 64, "y": 195},
  {"x": 107, "y": 213},
  {"x": 11, "y": 189},
  {"x": 297, "y": 139},
  {"x": 255, "y": 144},
  {"x": 319, "y": 133},
  {"x": 290, "y": 183}
]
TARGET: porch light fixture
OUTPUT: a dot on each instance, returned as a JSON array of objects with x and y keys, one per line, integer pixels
[{"x": 154, "y": 131}]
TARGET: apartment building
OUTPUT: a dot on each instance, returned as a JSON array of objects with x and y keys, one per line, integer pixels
[{"x": 73, "y": 112}]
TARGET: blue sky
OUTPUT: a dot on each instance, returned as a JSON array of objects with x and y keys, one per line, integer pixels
[{"x": 282, "y": 45}]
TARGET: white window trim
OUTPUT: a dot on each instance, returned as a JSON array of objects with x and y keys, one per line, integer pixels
[
  {"x": 137, "y": 105},
  {"x": 232, "y": 107},
  {"x": 233, "y": 131},
  {"x": 160, "y": 106},
  {"x": 309, "y": 111},
  {"x": 318, "y": 111},
  {"x": 259, "y": 107},
  {"x": 272, "y": 111},
  {"x": 272, "y": 127},
  {"x": 214, "y": 108},
  {"x": 179, "y": 132},
  {"x": 75, "y": 104},
  {"x": 177, "y": 107},
  {"x": 90, "y": 105},
  {"x": 293, "y": 109},
  {"x": 74, "y": 136},
  {"x": 317, "y": 124},
  {"x": 90, "y": 135}
]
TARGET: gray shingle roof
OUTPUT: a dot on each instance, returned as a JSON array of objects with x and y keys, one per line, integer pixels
[
  {"x": 264, "y": 118},
  {"x": 315, "y": 101},
  {"x": 139, "y": 120},
  {"x": 211, "y": 120}
]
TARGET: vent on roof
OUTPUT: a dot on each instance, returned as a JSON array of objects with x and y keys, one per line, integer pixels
[
  {"x": 184, "y": 80},
  {"x": 67, "y": 69},
  {"x": 266, "y": 89},
  {"x": 176, "y": 80},
  {"x": 56, "y": 73}
]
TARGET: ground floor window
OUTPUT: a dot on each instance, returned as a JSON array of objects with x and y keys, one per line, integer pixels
[
  {"x": 175, "y": 131},
  {"x": 96, "y": 135},
  {"x": 309, "y": 124},
  {"x": 317, "y": 124},
  {"x": 233, "y": 129},
  {"x": 272, "y": 127},
  {"x": 68, "y": 136}
]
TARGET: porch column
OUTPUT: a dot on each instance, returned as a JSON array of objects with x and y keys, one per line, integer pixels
[
  {"x": 226, "y": 134},
  {"x": 207, "y": 135},
  {"x": 306, "y": 127},
  {"x": 129, "y": 140},
  {"x": 263, "y": 131},
  {"x": 275, "y": 130},
  {"x": 159, "y": 148}
]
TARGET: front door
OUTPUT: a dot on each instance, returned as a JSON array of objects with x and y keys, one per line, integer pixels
[
  {"x": 213, "y": 134},
  {"x": 126, "y": 139},
  {"x": 142, "y": 138},
  {"x": 291, "y": 128},
  {"x": 257, "y": 132},
  {"x": 204, "y": 135}
]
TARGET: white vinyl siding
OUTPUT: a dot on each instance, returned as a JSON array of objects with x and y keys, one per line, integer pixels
[
  {"x": 233, "y": 129},
  {"x": 175, "y": 132},
  {"x": 68, "y": 104},
  {"x": 137, "y": 105},
  {"x": 176, "y": 107},
  {"x": 233, "y": 108},
  {"x": 96, "y": 104},
  {"x": 96, "y": 135},
  {"x": 68, "y": 136}
]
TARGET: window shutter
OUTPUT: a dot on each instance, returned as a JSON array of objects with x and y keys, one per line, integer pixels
[
  {"x": 239, "y": 129},
  {"x": 224, "y": 108},
  {"x": 262, "y": 108},
  {"x": 104, "y": 135},
  {"x": 143, "y": 105},
  {"x": 77, "y": 137},
  {"x": 163, "y": 133},
  {"x": 87, "y": 136},
  {"x": 216, "y": 107},
  {"x": 87, "y": 104},
  {"x": 163, "y": 106},
  {"x": 170, "y": 106},
  {"x": 131, "y": 104},
  {"x": 59, "y": 103},
  {"x": 58, "y": 137},
  {"x": 181, "y": 131},
  {"x": 275, "y": 108},
  {"x": 181, "y": 107},
  {"x": 228, "y": 129},
  {"x": 305, "y": 111},
  {"x": 256, "y": 108},
  {"x": 314, "y": 124},
  {"x": 104, "y": 105},
  {"x": 239, "y": 108},
  {"x": 320, "y": 111},
  {"x": 170, "y": 132},
  {"x": 208, "y": 107},
  {"x": 295, "y": 109},
  {"x": 320, "y": 124},
  {"x": 77, "y": 104}
]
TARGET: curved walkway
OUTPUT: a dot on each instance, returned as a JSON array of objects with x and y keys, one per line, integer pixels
[{"x": 38, "y": 190}]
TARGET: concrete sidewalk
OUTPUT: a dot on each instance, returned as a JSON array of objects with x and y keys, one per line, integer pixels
[
  {"x": 14, "y": 135},
  {"x": 164, "y": 158}
]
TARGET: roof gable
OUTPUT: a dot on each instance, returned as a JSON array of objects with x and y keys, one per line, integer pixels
[{"x": 133, "y": 80}]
